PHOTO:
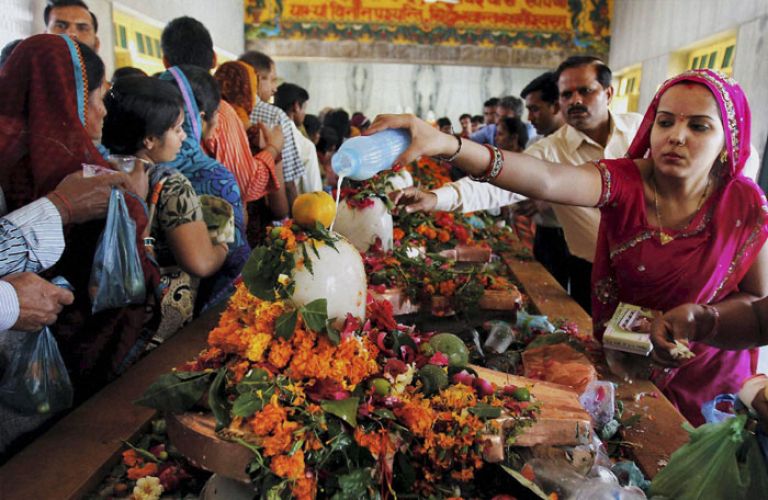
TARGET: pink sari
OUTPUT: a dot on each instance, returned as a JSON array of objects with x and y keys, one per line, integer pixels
[{"x": 703, "y": 264}]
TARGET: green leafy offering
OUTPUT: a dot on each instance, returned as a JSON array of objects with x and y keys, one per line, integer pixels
[
  {"x": 176, "y": 392},
  {"x": 217, "y": 399},
  {"x": 354, "y": 485},
  {"x": 286, "y": 324},
  {"x": 533, "y": 487},
  {"x": 315, "y": 315},
  {"x": 485, "y": 411},
  {"x": 345, "y": 409}
]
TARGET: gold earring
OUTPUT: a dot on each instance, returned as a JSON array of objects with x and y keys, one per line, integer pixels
[{"x": 724, "y": 157}]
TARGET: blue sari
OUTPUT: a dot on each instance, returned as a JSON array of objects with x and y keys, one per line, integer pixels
[{"x": 209, "y": 177}]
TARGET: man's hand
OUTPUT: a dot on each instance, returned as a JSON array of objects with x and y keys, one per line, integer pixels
[
  {"x": 40, "y": 302},
  {"x": 80, "y": 199},
  {"x": 414, "y": 199},
  {"x": 525, "y": 208}
]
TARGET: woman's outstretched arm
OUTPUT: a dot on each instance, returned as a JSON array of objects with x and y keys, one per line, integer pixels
[{"x": 566, "y": 184}]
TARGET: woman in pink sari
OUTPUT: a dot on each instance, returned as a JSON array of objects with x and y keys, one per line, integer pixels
[{"x": 679, "y": 222}]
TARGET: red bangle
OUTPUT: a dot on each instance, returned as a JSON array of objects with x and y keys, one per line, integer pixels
[
  {"x": 495, "y": 165},
  {"x": 65, "y": 201}
]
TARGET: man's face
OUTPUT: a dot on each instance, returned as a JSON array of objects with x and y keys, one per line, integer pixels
[
  {"x": 268, "y": 84},
  {"x": 466, "y": 124},
  {"x": 541, "y": 113},
  {"x": 299, "y": 112},
  {"x": 73, "y": 21},
  {"x": 489, "y": 114},
  {"x": 583, "y": 101},
  {"x": 502, "y": 112}
]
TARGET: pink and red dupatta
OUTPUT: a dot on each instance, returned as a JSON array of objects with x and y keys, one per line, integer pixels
[{"x": 703, "y": 264}]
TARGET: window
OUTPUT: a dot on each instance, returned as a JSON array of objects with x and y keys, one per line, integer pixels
[
  {"x": 158, "y": 52},
  {"x": 148, "y": 44},
  {"x": 140, "y": 42},
  {"x": 717, "y": 56},
  {"x": 123, "y": 37},
  {"x": 628, "y": 91}
]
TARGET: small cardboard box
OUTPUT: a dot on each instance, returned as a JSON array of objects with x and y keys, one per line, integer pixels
[{"x": 629, "y": 330}]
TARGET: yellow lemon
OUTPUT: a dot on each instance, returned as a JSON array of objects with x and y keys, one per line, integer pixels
[{"x": 309, "y": 208}]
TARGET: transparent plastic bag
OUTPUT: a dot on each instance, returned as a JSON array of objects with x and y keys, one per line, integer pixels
[
  {"x": 36, "y": 380},
  {"x": 116, "y": 276}
]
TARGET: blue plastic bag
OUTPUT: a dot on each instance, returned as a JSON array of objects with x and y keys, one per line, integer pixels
[
  {"x": 116, "y": 276},
  {"x": 36, "y": 380}
]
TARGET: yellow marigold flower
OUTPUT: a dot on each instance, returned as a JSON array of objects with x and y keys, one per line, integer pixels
[
  {"x": 148, "y": 488},
  {"x": 283, "y": 279},
  {"x": 257, "y": 346},
  {"x": 417, "y": 416}
]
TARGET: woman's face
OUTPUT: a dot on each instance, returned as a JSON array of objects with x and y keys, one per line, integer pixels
[
  {"x": 166, "y": 147},
  {"x": 209, "y": 125},
  {"x": 687, "y": 135},
  {"x": 505, "y": 140},
  {"x": 94, "y": 117}
]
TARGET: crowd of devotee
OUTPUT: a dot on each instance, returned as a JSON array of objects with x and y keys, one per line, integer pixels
[{"x": 656, "y": 210}]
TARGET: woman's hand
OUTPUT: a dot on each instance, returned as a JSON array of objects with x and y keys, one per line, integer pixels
[
  {"x": 426, "y": 140},
  {"x": 414, "y": 199},
  {"x": 273, "y": 136},
  {"x": 684, "y": 323}
]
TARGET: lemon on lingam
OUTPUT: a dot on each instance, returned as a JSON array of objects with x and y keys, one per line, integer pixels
[{"x": 310, "y": 208}]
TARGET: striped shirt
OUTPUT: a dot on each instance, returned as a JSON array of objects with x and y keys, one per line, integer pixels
[
  {"x": 229, "y": 146},
  {"x": 31, "y": 240},
  {"x": 271, "y": 115}
]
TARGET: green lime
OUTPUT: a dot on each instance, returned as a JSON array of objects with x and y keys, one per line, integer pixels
[
  {"x": 381, "y": 386},
  {"x": 453, "y": 347},
  {"x": 522, "y": 394},
  {"x": 275, "y": 234},
  {"x": 433, "y": 378}
]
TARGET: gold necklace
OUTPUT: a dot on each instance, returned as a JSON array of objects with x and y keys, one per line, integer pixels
[{"x": 665, "y": 238}]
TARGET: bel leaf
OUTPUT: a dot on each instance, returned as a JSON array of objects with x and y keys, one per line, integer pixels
[
  {"x": 246, "y": 405},
  {"x": 175, "y": 392},
  {"x": 315, "y": 314},
  {"x": 217, "y": 399},
  {"x": 333, "y": 334},
  {"x": 485, "y": 411},
  {"x": 345, "y": 409},
  {"x": 354, "y": 485},
  {"x": 533, "y": 487},
  {"x": 259, "y": 273},
  {"x": 286, "y": 324}
]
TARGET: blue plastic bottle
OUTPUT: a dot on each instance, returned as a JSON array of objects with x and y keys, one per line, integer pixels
[{"x": 362, "y": 157}]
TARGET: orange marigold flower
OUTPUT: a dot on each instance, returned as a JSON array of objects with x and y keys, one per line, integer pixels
[
  {"x": 417, "y": 416},
  {"x": 267, "y": 420},
  {"x": 290, "y": 467},
  {"x": 281, "y": 441},
  {"x": 398, "y": 234},
  {"x": 311, "y": 442},
  {"x": 131, "y": 458},
  {"x": 305, "y": 488},
  {"x": 447, "y": 288},
  {"x": 443, "y": 236},
  {"x": 148, "y": 469},
  {"x": 239, "y": 370}
]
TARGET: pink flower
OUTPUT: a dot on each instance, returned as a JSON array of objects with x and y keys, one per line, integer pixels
[{"x": 438, "y": 359}]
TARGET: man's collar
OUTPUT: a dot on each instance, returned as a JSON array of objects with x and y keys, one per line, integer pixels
[{"x": 574, "y": 137}]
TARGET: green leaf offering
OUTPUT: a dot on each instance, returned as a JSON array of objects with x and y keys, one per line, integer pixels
[
  {"x": 345, "y": 409},
  {"x": 333, "y": 334},
  {"x": 315, "y": 315},
  {"x": 217, "y": 399},
  {"x": 247, "y": 404},
  {"x": 485, "y": 411},
  {"x": 354, "y": 485},
  {"x": 176, "y": 392},
  {"x": 286, "y": 324},
  {"x": 260, "y": 273}
]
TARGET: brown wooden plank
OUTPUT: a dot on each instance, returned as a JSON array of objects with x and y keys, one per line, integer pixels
[
  {"x": 659, "y": 432},
  {"x": 72, "y": 457}
]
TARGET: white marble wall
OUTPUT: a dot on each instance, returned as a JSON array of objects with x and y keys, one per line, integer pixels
[
  {"x": 654, "y": 32},
  {"x": 429, "y": 91}
]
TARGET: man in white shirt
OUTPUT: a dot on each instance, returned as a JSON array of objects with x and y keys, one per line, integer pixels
[
  {"x": 591, "y": 132},
  {"x": 293, "y": 100}
]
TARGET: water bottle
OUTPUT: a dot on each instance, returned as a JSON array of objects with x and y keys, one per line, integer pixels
[{"x": 362, "y": 157}]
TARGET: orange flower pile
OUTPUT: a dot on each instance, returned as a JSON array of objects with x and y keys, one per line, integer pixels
[{"x": 429, "y": 174}]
